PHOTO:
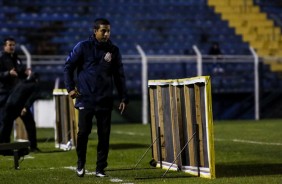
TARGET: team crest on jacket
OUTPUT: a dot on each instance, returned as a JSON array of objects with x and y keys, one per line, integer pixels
[{"x": 108, "y": 57}]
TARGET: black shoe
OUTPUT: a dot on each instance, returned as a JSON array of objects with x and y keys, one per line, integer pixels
[
  {"x": 100, "y": 174},
  {"x": 80, "y": 172}
]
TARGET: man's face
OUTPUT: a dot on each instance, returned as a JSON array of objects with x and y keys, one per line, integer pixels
[
  {"x": 103, "y": 33},
  {"x": 10, "y": 47}
]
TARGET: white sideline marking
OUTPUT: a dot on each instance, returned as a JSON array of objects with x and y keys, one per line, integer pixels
[
  {"x": 128, "y": 133},
  {"x": 125, "y": 133},
  {"x": 114, "y": 180},
  {"x": 257, "y": 142},
  {"x": 74, "y": 168},
  {"x": 233, "y": 140},
  {"x": 28, "y": 157},
  {"x": 251, "y": 142},
  {"x": 25, "y": 157},
  {"x": 70, "y": 168}
]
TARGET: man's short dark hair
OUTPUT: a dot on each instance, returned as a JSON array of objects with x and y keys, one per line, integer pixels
[
  {"x": 100, "y": 21},
  {"x": 8, "y": 39}
]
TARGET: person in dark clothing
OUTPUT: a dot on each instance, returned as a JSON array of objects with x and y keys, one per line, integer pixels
[
  {"x": 98, "y": 66},
  {"x": 215, "y": 49},
  {"x": 12, "y": 73},
  {"x": 11, "y": 69},
  {"x": 18, "y": 105}
]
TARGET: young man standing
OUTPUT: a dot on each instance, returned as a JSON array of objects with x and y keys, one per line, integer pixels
[{"x": 98, "y": 67}]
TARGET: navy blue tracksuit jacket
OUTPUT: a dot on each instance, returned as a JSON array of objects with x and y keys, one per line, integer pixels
[{"x": 95, "y": 78}]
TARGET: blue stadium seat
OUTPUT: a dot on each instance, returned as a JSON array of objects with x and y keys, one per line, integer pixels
[{"x": 155, "y": 21}]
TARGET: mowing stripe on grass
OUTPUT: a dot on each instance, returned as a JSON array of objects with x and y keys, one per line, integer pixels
[{"x": 251, "y": 142}]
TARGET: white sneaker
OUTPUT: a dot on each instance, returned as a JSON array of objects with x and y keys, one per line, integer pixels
[
  {"x": 80, "y": 172},
  {"x": 100, "y": 174}
]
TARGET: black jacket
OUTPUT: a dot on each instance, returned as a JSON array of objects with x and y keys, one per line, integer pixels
[
  {"x": 7, "y": 82},
  {"x": 95, "y": 77}
]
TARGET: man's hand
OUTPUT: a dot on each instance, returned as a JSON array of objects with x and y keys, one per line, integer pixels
[
  {"x": 13, "y": 72},
  {"x": 122, "y": 107},
  {"x": 73, "y": 94},
  {"x": 28, "y": 72},
  {"x": 23, "y": 112}
]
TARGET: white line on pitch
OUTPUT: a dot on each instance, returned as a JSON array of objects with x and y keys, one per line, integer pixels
[
  {"x": 114, "y": 180},
  {"x": 129, "y": 133},
  {"x": 251, "y": 142},
  {"x": 25, "y": 157},
  {"x": 233, "y": 140},
  {"x": 125, "y": 133},
  {"x": 257, "y": 142}
]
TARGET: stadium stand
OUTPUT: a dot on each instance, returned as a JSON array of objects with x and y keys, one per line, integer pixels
[
  {"x": 253, "y": 24},
  {"x": 162, "y": 27}
]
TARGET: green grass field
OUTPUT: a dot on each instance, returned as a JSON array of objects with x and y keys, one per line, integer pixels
[{"x": 246, "y": 152}]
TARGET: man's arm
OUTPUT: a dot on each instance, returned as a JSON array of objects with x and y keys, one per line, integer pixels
[
  {"x": 22, "y": 71},
  {"x": 70, "y": 66},
  {"x": 5, "y": 73}
]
